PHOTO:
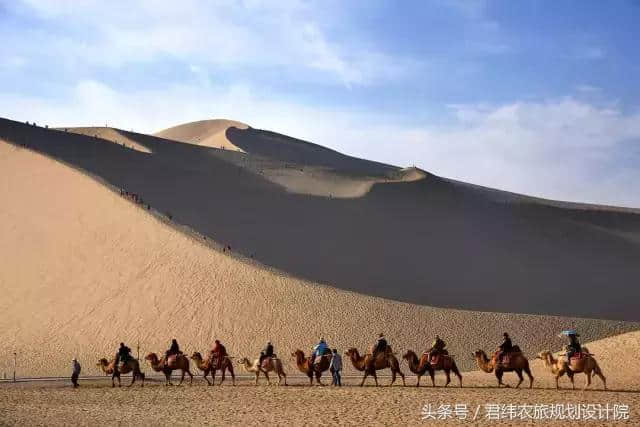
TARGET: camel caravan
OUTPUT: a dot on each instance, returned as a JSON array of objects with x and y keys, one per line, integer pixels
[{"x": 507, "y": 358}]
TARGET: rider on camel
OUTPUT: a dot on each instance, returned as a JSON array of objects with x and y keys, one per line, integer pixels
[
  {"x": 218, "y": 351},
  {"x": 506, "y": 346},
  {"x": 173, "y": 350},
  {"x": 266, "y": 352},
  {"x": 318, "y": 350},
  {"x": 437, "y": 347},
  {"x": 573, "y": 347},
  {"x": 124, "y": 353},
  {"x": 380, "y": 346}
]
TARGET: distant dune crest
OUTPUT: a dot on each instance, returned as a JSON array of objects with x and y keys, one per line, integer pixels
[{"x": 207, "y": 133}]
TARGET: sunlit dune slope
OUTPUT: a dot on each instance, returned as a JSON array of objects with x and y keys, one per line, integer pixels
[
  {"x": 208, "y": 133},
  {"x": 84, "y": 268},
  {"x": 110, "y": 134}
]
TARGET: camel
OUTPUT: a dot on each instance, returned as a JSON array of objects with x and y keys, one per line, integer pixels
[
  {"x": 517, "y": 364},
  {"x": 423, "y": 365},
  {"x": 586, "y": 365},
  {"x": 180, "y": 362},
  {"x": 269, "y": 364},
  {"x": 209, "y": 366},
  {"x": 304, "y": 365},
  {"x": 130, "y": 365},
  {"x": 369, "y": 366}
]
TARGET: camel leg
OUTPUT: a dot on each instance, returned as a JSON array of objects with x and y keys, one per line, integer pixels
[
  {"x": 213, "y": 377},
  {"x": 520, "y": 377},
  {"x": 432, "y": 374},
  {"x": 588, "y": 381},
  {"x": 393, "y": 377},
  {"x": 233, "y": 375},
  {"x": 527, "y": 371},
  {"x": 257, "y": 374},
  {"x": 375, "y": 377},
  {"x": 141, "y": 378},
  {"x": 447, "y": 373},
  {"x": 404, "y": 384},
  {"x": 318, "y": 375},
  {"x": 364, "y": 377},
  {"x": 190, "y": 376},
  {"x": 205, "y": 377},
  {"x": 455, "y": 370},
  {"x": 133, "y": 379},
  {"x": 181, "y": 378},
  {"x": 224, "y": 372},
  {"x": 266, "y": 374},
  {"x": 598, "y": 372},
  {"x": 499, "y": 374},
  {"x": 418, "y": 383},
  {"x": 310, "y": 378},
  {"x": 167, "y": 375},
  {"x": 285, "y": 378}
]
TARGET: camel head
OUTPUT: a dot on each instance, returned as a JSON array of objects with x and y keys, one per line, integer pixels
[
  {"x": 544, "y": 355},
  {"x": 151, "y": 357},
  {"x": 244, "y": 361},
  {"x": 481, "y": 355},
  {"x": 409, "y": 355},
  {"x": 352, "y": 353},
  {"x": 298, "y": 354},
  {"x": 196, "y": 356},
  {"x": 102, "y": 362}
]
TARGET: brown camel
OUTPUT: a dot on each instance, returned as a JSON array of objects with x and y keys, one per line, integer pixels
[
  {"x": 180, "y": 362},
  {"x": 269, "y": 364},
  {"x": 369, "y": 366},
  {"x": 211, "y": 366},
  {"x": 517, "y": 363},
  {"x": 304, "y": 364},
  {"x": 586, "y": 364},
  {"x": 130, "y": 365},
  {"x": 423, "y": 365}
]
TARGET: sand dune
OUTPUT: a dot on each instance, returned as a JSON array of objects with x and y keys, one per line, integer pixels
[
  {"x": 84, "y": 268},
  {"x": 109, "y": 134},
  {"x": 429, "y": 241},
  {"x": 208, "y": 133}
]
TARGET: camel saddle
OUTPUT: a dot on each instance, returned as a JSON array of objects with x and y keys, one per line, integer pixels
[
  {"x": 172, "y": 360},
  {"x": 266, "y": 361},
  {"x": 578, "y": 356}
]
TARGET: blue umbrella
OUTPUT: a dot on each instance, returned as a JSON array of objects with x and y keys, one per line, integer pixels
[{"x": 570, "y": 332}]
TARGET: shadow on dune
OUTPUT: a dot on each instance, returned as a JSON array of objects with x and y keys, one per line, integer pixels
[{"x": 427, "y": 242}]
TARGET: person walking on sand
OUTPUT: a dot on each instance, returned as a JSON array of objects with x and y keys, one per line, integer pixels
[
  {"x": 335, "y": 367},
  {"x": 75, "y": 373}
]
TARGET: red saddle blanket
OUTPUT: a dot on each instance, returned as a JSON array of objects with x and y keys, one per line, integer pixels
[
  {"x": 435, "y": 359},
  {"x": 505, "y": 359},
  {"x": 172, "y": 360},
  {"x": 265, "y": 363},
  {"x": 578, "y": 356}
]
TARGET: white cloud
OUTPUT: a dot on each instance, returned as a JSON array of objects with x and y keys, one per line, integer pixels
[{"x": 287, "y": 34}]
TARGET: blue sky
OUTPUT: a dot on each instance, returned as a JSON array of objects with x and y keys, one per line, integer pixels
[{"x": 537, "y": 97}]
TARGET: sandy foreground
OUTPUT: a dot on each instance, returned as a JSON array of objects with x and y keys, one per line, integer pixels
[{"x": 95, "y": 402}]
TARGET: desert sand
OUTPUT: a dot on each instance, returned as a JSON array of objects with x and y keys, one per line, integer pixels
[
  {"x": 208, "y": 133},
  {"x": 85, "y": 268},
  {"x": 429, "y": 241}
]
